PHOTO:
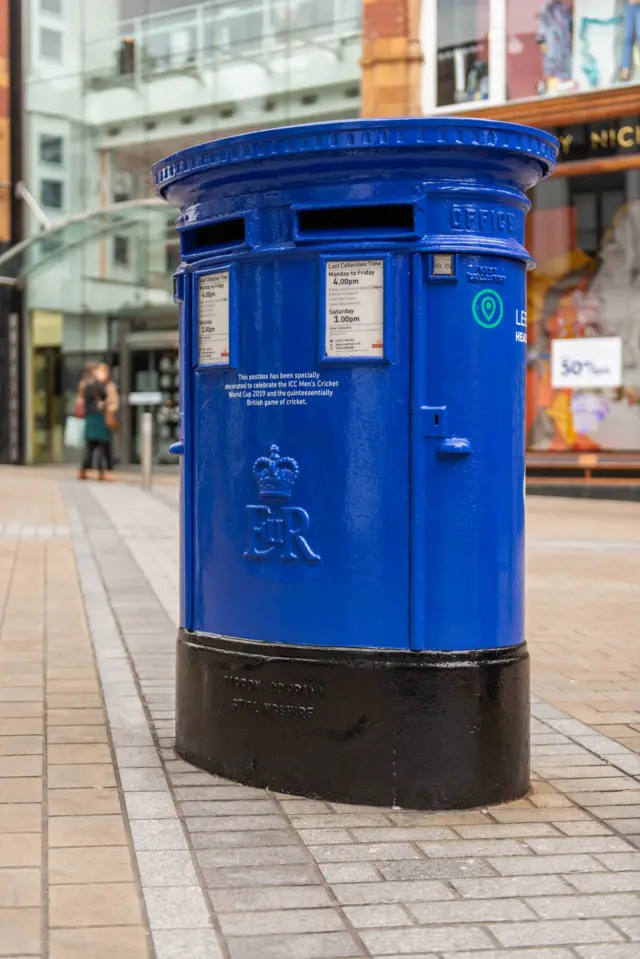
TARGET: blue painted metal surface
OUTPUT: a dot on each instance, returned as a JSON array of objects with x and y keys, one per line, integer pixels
[{"x": 372, "y": 501}]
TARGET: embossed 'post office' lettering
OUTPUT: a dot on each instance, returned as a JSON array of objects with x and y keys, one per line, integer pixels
[{"x": 473, "y": 219}]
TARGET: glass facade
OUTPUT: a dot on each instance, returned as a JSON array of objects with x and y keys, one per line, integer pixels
[{"x": 111, "y": 87}]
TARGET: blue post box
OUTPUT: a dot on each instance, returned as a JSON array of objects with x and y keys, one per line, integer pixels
[{"x": 353, "y": 335}]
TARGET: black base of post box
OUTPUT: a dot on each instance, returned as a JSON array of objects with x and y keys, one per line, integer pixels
[{"x": 431, "y": 730}]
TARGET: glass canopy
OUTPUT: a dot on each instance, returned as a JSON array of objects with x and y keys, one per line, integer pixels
[{"x": 42, "y": 249}]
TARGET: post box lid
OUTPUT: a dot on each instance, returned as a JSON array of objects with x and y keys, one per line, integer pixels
[{"x": 409, "y": 135}]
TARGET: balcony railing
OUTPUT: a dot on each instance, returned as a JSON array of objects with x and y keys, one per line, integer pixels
[{"x": 208, "y": 35}]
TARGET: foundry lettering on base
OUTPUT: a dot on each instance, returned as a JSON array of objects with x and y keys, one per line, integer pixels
[
  {"x": 274, "y": 529},
  {"x": 263, "y": 708},
  {"x": 274, "y": 686}
]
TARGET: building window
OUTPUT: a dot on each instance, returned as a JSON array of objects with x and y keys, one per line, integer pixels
[
  {"x": 126, "y": 57},
  {"x": 51, "y": 6},
  {"x": 51, "y": 149},
  {"x": 51, "y": 44},
  {"x": 121, "y": 250},
  {"x": 463, "y": 51},
  {"x": 561, "y": 46},
  {"x": 549, "y": 47},
  {"x": 171, "y": 259},
  {"x": 51, "y": 194}
]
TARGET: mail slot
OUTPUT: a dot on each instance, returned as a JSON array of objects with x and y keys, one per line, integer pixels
[{"x": 353, "y": 388}]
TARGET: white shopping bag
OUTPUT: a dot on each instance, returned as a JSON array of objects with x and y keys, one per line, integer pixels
[{"x": 74, "y": 433}]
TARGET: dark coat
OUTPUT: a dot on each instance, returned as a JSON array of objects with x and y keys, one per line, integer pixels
[{"x": 95, "y": 396}]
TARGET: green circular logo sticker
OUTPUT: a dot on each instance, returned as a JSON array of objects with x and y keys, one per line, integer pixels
[{"x": 488, "y": 308}]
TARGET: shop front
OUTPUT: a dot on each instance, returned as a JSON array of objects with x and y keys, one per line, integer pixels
[
  {"x": 571, "y": 67},
  {"x": 142, "y": 354},
  {"x": 510, "y": 50},
  {"x": 149, "y": 376},
  {"x": 584, "y": 297},
  {"x": 60, "y": 347}
]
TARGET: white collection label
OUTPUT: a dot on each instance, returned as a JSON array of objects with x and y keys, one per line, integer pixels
[
  {"x": 213, "y": 319},
  {"x": 354, "y": 308},
  {"x": 592, "y": 362}
]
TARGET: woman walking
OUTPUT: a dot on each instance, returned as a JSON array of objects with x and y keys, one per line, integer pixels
[
  {"x": 79, "y": 409},
  {"x": 101, "y": 403}
]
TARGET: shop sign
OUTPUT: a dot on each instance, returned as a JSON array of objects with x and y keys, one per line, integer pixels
[
  {"x": 592, "y": 362},
  {"x": 606, "y": 138},
  {"x": 145, "y": 398}
]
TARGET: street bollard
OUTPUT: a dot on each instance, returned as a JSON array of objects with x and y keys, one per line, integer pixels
[
  {"x": 146, "y": 449},
  {"x": 353, "y": 335}
]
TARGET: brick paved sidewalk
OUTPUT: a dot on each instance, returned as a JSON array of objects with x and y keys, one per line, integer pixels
[{"x": 110, "y": 846}]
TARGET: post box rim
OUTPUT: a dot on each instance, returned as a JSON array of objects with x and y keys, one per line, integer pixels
[{"x": 392, "y": 134}]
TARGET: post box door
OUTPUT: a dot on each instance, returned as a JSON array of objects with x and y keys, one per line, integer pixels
[
  {"x": 300, "y": 463},
  {"x": 469, "y": 359}
]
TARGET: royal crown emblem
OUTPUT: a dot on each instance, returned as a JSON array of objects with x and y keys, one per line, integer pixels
[{"x": 275, "y": 475}]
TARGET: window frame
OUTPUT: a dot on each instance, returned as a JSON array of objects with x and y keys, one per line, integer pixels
[
  {"x": 56, "y": 164},
  {"x": 54, "y": 32},
  {"x": 497, "y": 59},
  {"x": 59, "y": 183},
  {"x": 51, "y": 13},
  {"x": 121, "y": 263}
]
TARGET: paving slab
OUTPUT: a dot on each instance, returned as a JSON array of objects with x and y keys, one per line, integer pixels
[{"x": 111, "y": 845}]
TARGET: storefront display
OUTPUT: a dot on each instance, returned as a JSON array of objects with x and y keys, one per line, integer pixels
[
  {"x": 555, "y": 38},
  {"x": 582, "y": 45},
  {"x": 631, "y": 37},
  {"x": 550, "y": 48},
  {"x": 585, "y": 235}
]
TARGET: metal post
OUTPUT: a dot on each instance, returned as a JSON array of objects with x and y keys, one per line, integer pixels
[
  {"x": 429, "y": 45},
  {"x": 498, "y": 51},
  {"x": 146, "y": 448}
]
